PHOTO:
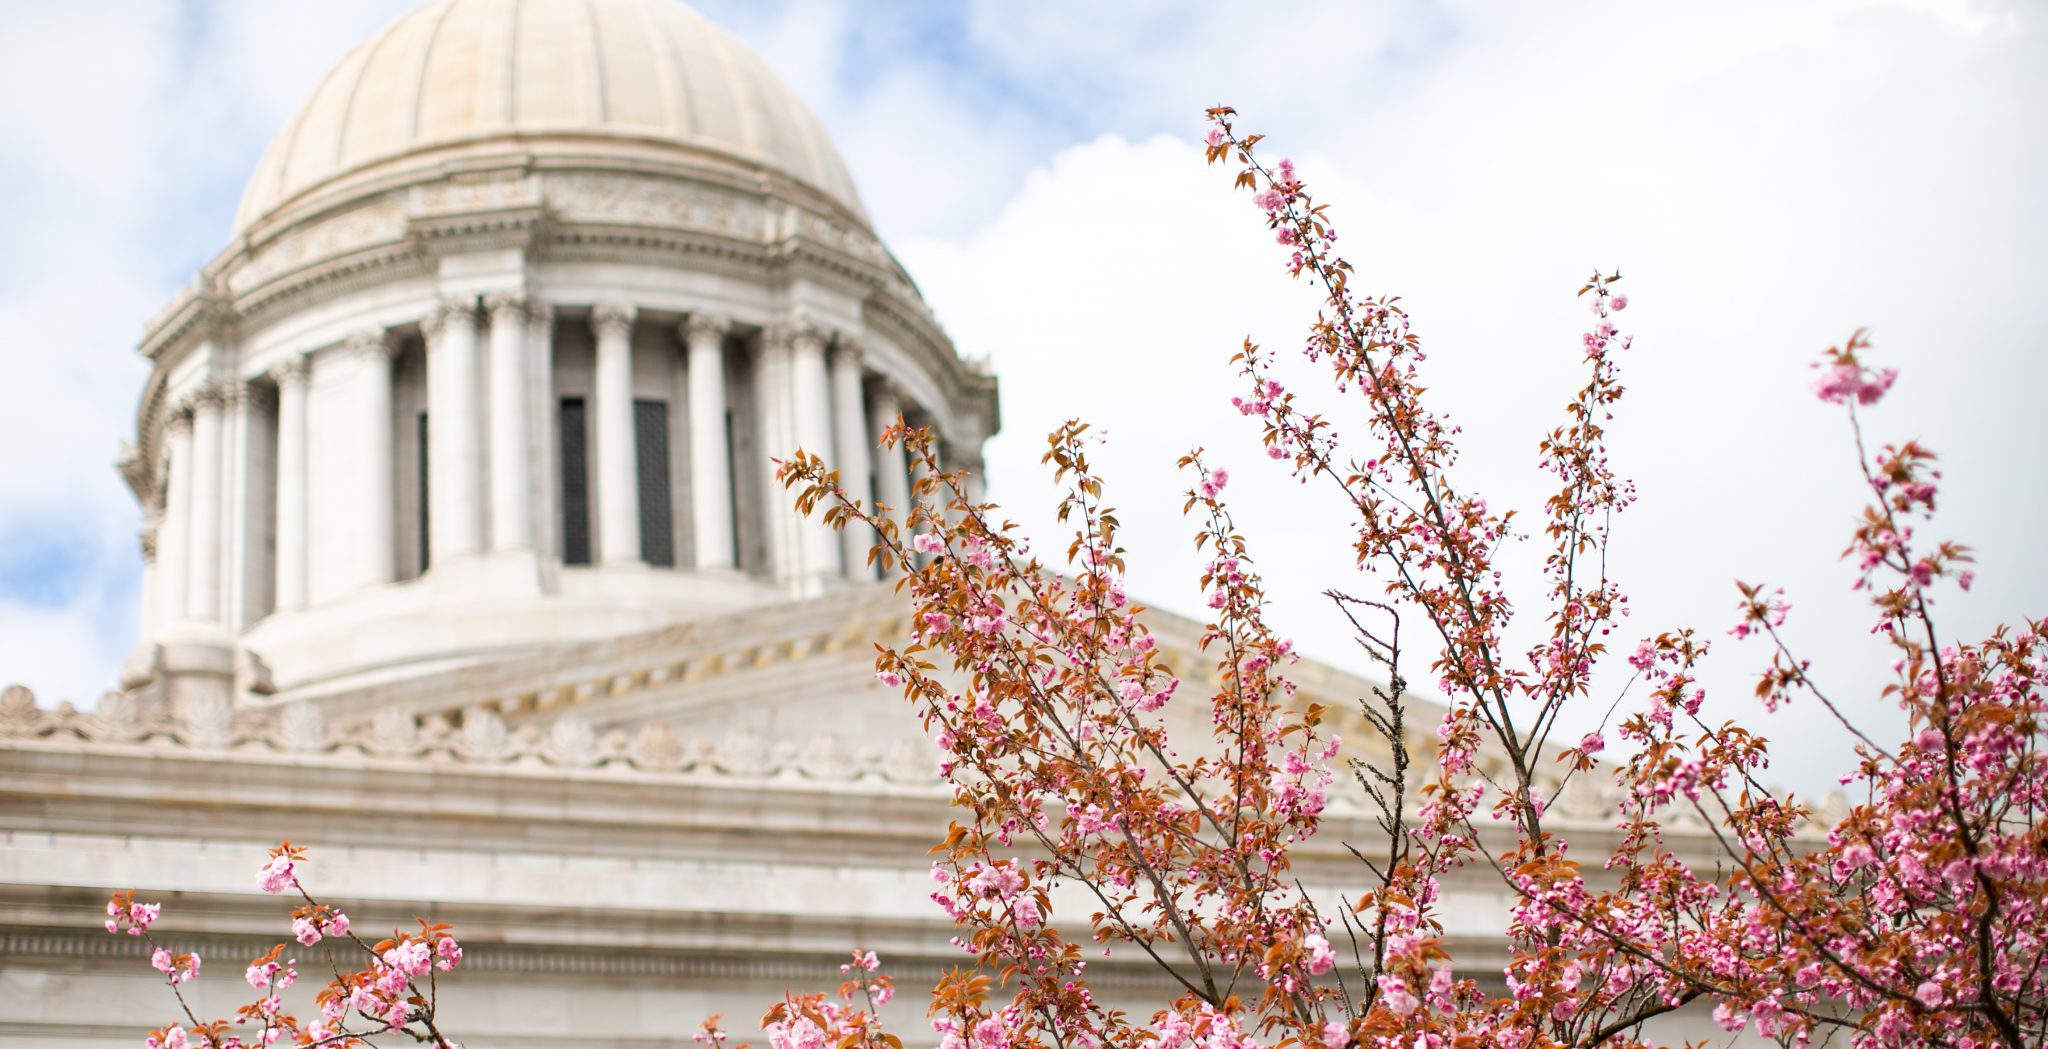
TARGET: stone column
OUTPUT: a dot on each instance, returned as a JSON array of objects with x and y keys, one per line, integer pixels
[
  {"x": 545, "y": 443},
  {"x": 767, "y": 512},
  {"x": 618, "y": 476},
  {"x": 811, "y": 400},
  {"x": 710, "y": 449},
  {"x": 376, "y": 515},
  {"x": 850, "y": 449},
  {"x": 510, "y": 452},
  {"x": 203, "y": 545},
  {"x": 291, "y": 378},
  {"x": 454, "y": 467},
  {"x": 892, "y": 466},
  {"x": 152, "y": 577},
  {"x": 174, "y": 553}
]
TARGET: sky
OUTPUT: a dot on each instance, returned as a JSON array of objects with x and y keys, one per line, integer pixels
[{"x": 1769, "y": 177}]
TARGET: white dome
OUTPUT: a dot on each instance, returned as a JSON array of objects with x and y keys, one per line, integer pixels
[{"x": 460, "y": 72}]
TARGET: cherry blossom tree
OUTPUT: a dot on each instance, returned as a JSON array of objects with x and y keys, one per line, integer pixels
[{"x": 1917, "y": 919}]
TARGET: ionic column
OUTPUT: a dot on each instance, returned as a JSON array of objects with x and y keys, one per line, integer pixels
[
  {"x": 291, "y": 378},
  {"x": 811, "y": 400},
  {"x": 710, "y": 450},
  {"x": 454, "y": 472},
  {"x": 174, "y": 553},
  {"x": 892, "y": 465},
  {"x": 618, "y": 481},
  {"x": 511, "y": 505},
  {"x": 203, "y": 547},
  {"x": 545, "y": 443},
  {"x": 376, "y": 521},
  {"x": 850, "y": 450}
]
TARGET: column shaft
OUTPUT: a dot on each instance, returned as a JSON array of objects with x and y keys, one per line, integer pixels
[
  {"x": 174, "y": 545},
  {"x": 772, "y": 437},
  {"x": 454, "y": 467},
  {"x": 710, "y": 449},
  {"x": 892, "y": 466},
  {"x": 811, "y": 399},
  {"x": 850, "y": 454},
  {"x": 291, "y": 484},
  {"x": 510, "y": 451},
  {"x": 618, "y": 481},
  {"x": 376, "y": 522},
  {"x": 203, "y": 550}
]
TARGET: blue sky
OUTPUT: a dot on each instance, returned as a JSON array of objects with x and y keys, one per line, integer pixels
[{"x": 1770, "y": 175}]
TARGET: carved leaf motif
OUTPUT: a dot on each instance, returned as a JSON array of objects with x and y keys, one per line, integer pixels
[
  {"x": 484, "y": 737},
  {"x": 743, "y": 753},
  {"x": 393, "y": 733},
  {"x": 119, "y": 718},
  {"x": 827, "y": 758},
  {"x": 18, "y": 713},
  {"x": 656, "y": 747},
  {"x": 572, "y": 742},
  {"x": 302, "y": 729},
  {"x": 209, "y": 722}
]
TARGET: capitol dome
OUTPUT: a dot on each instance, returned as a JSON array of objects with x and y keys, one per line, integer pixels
[
  {"x": 458, "y": 77},
  {"x": 517, "y": 313}
]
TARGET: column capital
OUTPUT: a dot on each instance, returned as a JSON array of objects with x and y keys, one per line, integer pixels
[
  {"x": 847, "y": 348},
  {"x": 540, "y": 313},
  {"x": 373, "y": 342},
  {"x": 612, "y": 317},
  {"x": 800, "y": 331},
  {"x": 448, "y": 310},
  {"x": 509, "y": 306},
  {"x": 208, "y": 395},
  {"x": 180, "y": 418},
  {"x": 247, "y": 394},
  {"x": 293, "y": 370},
  {"x": 703, "y": 326}
]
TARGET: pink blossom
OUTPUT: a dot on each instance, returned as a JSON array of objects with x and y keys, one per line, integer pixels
[
  {"x": 889, "y": 678},
  {"x": 1336, "y": 1035},
  {"x": 277, "y": 875},
  {"x": 1617, "y": 302},
  {"x": 1215, "y": 137},
  {"x": 304, "y": 931},
  {"x": 450, "y": 953},
  {"x": 1321, "y": 958},
  {"x": 1929, "y": 993},
  {"x": 1593, "y": 743},
  {"x": 927, "y": 543}
]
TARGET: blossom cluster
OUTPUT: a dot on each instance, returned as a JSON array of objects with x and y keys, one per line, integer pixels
[{"x": 388, "y": 992}]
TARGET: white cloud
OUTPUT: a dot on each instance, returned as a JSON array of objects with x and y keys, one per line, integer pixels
[{"x": 1767, "y": 191}]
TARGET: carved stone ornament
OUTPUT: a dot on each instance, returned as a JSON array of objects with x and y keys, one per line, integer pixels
[
  {"x": 449, "y": 313},
  {"x": 18, "y": 713},
  {"x": 292, "y": 371},
  {"x": 507, "y": 307},
  {"x": 301, "y": 729},
  {"x": 656, "y": 748},
  {"x": 210, "y": 721},
  {"x": 614, "y": 317},
  {"x": 392, "y": 733},
  {"x": 572, "y": 742},
  {"x": 483, "y": 737},
  {"x": 702, "y": 326},
  {"x": 373, "y": 342}
]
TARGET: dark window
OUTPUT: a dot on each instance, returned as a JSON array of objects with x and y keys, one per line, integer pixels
[
  {"x": 575, "y": 485},
  {"x": 650, "y": 442},
  {"x": 424, "y": 504}
]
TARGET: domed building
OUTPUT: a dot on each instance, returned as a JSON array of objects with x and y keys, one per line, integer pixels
[
  {"x": 514, "y": 316},
  {"x": 464, "y": 566}
]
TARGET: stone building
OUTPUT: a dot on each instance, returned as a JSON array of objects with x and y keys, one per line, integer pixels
[{"x": 464, "y": 567}]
